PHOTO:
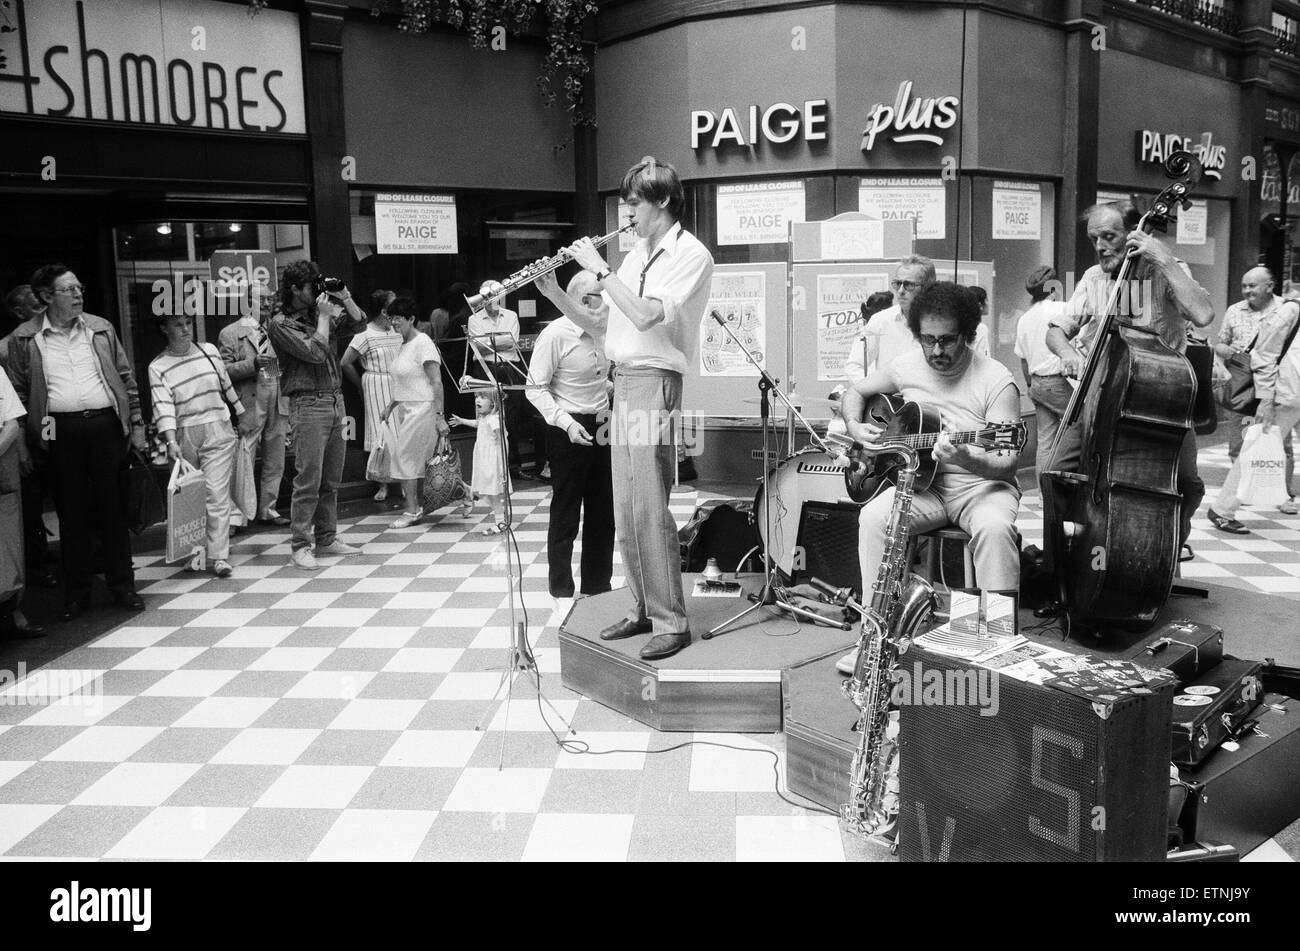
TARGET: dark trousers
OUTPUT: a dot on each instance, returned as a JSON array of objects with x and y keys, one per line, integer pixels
[
  {"x": 36, "y": 544},
  {"x": 514, "y": 420},
  {"x": 580, "y": 484},
  {"x": 87, "y": 460}
]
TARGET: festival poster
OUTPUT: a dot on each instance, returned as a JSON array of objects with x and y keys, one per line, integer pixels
[
  {"x": 839, "y": 306},
  {"x": 739, "y": 298}
]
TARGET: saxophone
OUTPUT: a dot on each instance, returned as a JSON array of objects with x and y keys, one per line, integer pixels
[{"x": 900, "y": 603}]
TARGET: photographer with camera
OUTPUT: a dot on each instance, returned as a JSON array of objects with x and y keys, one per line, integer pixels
[{"x": 312, "y": 311}]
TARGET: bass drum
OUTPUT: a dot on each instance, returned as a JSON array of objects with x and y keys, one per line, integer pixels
[{"x": 808, "y": 476}]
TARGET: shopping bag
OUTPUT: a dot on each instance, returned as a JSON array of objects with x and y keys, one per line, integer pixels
[
  {"x": 380, "y": 463},
  {"x": 142, "y": 501},
  {"x": 1263, "y": 467},
  {"x": 442, "y": 482},
  {"x": 243, "y": 486},
  {"x": 1239, "y": 391},
  {"x": 187, "y": 511}
]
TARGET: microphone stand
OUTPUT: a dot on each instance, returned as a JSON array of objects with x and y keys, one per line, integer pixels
[{"x": 772, "y": 595}]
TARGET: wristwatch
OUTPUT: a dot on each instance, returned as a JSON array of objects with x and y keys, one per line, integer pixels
[{"x": 603, "y": 274}]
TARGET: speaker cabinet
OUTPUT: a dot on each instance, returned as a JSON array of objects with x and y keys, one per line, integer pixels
[
  {"x": 1056, "y": 773},
  {"x": 828, "y": 537}
]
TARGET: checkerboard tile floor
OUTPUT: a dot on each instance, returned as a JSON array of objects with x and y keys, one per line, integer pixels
[{"x": 285, "y": 715}]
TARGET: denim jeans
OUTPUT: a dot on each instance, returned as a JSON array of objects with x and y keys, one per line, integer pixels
[
  {"x": 1050, "y": 396},
  {"x": 316, "y": 427}
]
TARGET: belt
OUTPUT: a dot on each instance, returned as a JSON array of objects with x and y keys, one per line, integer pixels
[
  {"x": 297, "y": 393},
  {"x": 86, "y": 413},
  {"x": 623, "y": 370}
]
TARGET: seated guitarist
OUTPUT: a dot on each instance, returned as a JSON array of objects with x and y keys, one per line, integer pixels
[{"x": 973, "y": 488}]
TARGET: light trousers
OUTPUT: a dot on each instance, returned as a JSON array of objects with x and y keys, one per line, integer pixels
[
  {"x": 1227, "y": 503},
  {"x": 211, "y": 447}
]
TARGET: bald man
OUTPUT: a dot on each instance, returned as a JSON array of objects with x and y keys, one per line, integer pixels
[{"x": 1241, "y": 323}]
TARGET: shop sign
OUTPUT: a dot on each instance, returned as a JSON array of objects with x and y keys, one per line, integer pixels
[
  {"x": 759, "y": 212},
  {"x": 1017, "y": 211},
  {"x": 235, "y": 270},
  {"x": 1193, "y": 224},
  {"x": 911, "y": 119},
  {"x": 778, "y": 123},
  {"x": 923, "y": 200},
  {"x": 415, "y": 224},
  {"x": 179, "y": 63},
  {"x": 1154, "y": 148}
]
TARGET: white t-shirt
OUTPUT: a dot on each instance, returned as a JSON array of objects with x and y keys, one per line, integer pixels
[
  {"x": 1031, "y": 337},
  {"x": 406, "y": 371}
]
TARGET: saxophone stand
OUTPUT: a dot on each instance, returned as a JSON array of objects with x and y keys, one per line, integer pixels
[
  {"x": 519, "y": 655},
  {"x": 772, "y": 594}
]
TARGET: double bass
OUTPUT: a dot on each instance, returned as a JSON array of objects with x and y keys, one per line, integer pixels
[{"x": 1111, "y": 530}]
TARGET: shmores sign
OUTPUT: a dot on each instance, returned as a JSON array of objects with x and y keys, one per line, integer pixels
[{"x": 181, "y": 62}]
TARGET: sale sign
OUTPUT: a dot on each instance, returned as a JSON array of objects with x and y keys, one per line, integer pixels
[
  {"x": 758, "y": 212},
  {"x": 1017, "y": 211}
]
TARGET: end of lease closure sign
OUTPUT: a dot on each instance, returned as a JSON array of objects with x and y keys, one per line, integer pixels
[{"x": 415, "y": 223}]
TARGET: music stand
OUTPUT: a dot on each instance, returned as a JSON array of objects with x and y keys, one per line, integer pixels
[
  {"x": 519, "y": 655},
  {"x": 772, "y": 594}
]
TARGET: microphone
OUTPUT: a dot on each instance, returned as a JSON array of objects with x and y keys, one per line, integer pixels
[
  {"x": 840, "y": 596},
  {"x": 718, "y": 317}
]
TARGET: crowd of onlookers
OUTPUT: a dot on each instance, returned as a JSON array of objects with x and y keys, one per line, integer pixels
[{"x": 71, "y": 414}]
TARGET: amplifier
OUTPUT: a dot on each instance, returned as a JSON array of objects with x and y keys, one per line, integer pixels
[
  {"x": 828, "y": 538},
  {"x": 1072, "y": 768}
]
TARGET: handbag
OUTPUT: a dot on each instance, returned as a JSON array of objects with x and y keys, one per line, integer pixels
[
  {"x": 379, "y": 465},
  {"x": 142, "y": 499},
  {"x": 1240, "y": 393},
  {"x": 443, "y": 483},
  {"x": 187, "y": 511}
]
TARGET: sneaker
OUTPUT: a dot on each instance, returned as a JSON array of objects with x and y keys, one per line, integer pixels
[
  {"x": 407, "y": 519},
  {"x": 304, "y": 559},
  {"x": 222, "y": 568},
  {"x": 337, "y": 547},
  {"x": 1289, "y": 507}
]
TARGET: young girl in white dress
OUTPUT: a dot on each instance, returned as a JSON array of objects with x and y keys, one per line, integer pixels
[{"x": 490, "y": 481}]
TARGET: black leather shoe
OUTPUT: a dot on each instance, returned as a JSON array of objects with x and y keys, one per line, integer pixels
[
  {"x": 44, "y": 579},
  {"x": 73, "y": 610},
  {"x": 665, "y": 645},
  {"x": 626, "y": 628},
  {"x": 19, "y": 632},
  {"x": 129, "y": 600}
]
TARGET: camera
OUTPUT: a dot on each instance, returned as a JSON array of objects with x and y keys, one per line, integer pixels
[{"x": 328, "y": 285}]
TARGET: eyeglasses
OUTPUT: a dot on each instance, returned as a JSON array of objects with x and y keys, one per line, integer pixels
[
  {"x": 72, "y": 290},
  {"x": 943, "y": 343},
  {"x": 908, "y": 286}
]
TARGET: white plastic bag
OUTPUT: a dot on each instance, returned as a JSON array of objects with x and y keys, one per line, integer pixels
[
  {"x": 187, "y": 511},
  {"x": 1263, "y": 467}
]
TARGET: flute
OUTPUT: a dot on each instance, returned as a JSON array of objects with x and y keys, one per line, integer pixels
[{"x": 526, "y": 275}]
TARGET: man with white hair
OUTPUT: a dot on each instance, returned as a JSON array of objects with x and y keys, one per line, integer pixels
[{"x": 1237, "y": 333}]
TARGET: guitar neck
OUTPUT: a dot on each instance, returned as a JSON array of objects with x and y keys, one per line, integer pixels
[{"x": 926, "y": 440}]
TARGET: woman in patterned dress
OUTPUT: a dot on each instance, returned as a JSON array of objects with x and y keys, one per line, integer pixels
[{"x": 375, "y": 348}]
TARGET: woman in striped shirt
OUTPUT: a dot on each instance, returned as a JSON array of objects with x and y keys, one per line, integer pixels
[{"x": 192, "y": 402}]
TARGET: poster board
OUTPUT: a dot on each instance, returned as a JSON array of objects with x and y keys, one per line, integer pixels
[{"x": 821, "y": 298}]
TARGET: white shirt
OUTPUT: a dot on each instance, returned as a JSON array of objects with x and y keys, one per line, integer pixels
[
  {"x": 887, "y": 337},
  {"x": 505, "y": 322},
  {"x": 1031, "y": 337},
  {"x": 677, "y": 275},
  {"x": 72, "y": 373},
  {"x": 568, "y": 373}
]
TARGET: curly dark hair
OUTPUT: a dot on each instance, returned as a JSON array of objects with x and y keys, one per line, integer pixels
[
  {"x": 945, "y": 299},
  {"x": 296, "y": 275}
]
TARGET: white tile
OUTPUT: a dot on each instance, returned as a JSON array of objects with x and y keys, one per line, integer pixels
[
  {"x": 427, "y": 748},
  {"x": 418, "y": 600},
  {"x": 105, "y": 744},
  {"x": 601, "y": 755},
  {"x": 346, "y": 570},
  {"x": 1229, "y": 557},
  {"x": 492, "y": 637},
  {"x": 179, "y": 585},
  {"x": 177, "y": 833},
  {"x": 135, "y": 636},
  {"x": 579, "y": 837},
  {"x": 341, "y": 617},
  {"x": 379, "y": 585},
  {"x": 522, "y": 715},
  {"x": 469, "y": 686},
  {"x": 253, "y": 571},
  {"x": 160, "y": 658},
  {"x": 16, "y": 822},
  {"x": 280, "y": 585},
  {"x": 1255, "y": 544},
  {"x": 43, "y": 686},
  {"x": 76, "y": 711},
  {"x": 225, "y": 712},
  {"x": 424, "y": 660},
  {"x": 255, "y": 637},
  {"x": 415, "y": 558},
  {"x": 380, "y": 637},
  {"x": 201, "y": 600},
  {"x": 331, "y": 685},
  {"x": 439, "y": 570},
  {"x": 385, "y": 548},
  {"x": 788, "y": 839},
  {"x": 137, "y": 784},
  {"x": 377, "y": 715},
  {"x": 1200, "y": 569},
  {"x": 461, "y": 617},
  {"x": 483, "y": 583},
  {"x": 190, "y": 683},
  {"x": 717, "y": 769},
  {"x": 265, "y": 747},
  {"x": 1287, "y": 585},
  {"x": 225, "y": 617},
  {"x": 1267, "y": 851},
  {"x": 11, "y": 768},
  {"x": 291, "y": 658},
  {"x": 498, "y": 790},
  {"x": 548, "y": 659},
  {"x": 315, "y": 787},
  {"x": 375, "y": 835},
  {"x": 307, "y": 601}
]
